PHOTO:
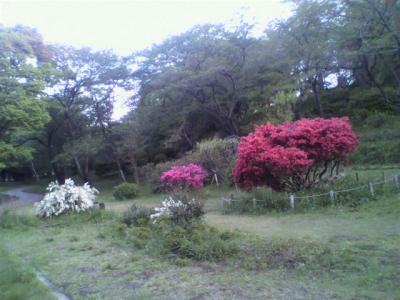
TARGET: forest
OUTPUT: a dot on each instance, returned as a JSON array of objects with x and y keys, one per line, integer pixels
[{"x": 211, "y": 84}]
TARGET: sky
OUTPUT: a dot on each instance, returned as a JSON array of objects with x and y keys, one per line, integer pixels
[{"x": 127, "y": 26}]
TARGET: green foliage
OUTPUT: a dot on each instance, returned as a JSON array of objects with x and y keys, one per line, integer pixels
[
  {"x": 217, "y": 157},
  {"x": 379, "y": 140},
  {"x": 258, "y": 200},
  {"x": 136, "y": 216},
  {"x": 151, "y": 173},
  {"x": 194, "y": 241},
  {"x": 126, "y": 190},
  {"x": 261, "y": 200},
  {"x": 21, "y": 111}
]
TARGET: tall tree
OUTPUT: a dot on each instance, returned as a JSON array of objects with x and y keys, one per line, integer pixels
[
  {"x": 23, "y": 67},
  {"x": 83, "y": 87}
]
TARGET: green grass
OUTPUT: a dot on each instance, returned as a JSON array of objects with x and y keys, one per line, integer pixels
[
  {"x": 4, "y": 198},
  {"x": 337, "y": 252},
  {"x": 17, "y": 281},
  {"x": 4, "y": 186}
]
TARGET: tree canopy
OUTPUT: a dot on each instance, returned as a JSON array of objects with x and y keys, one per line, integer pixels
[{"x": 330, "y": 58}]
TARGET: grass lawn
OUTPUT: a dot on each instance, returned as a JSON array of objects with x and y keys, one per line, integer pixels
[
  {"x": 18, "y": 281},
  {"x": 328, "y": 253}
]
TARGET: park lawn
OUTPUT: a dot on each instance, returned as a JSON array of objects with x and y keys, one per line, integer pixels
[
  {"x": 87, "y": 260},
  {"x": 18, "y": 281},
  {"x": 329, "y": 253},
  {"x": 89, "y": 257}
]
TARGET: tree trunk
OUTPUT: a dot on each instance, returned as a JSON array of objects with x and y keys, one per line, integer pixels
[
  {"x": 121, "y": 172},
  {"x": 35, "y": 174},
  {"x": 317, "y": 99},
  {"x": 373, "y": 79},
  {"x": 59, "y": 173},
  {"x": 134, "y": 168}
]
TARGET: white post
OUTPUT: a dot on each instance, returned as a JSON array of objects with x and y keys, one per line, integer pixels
[
  {"x": 254, "y": 203},
  {"x": 332, "y": 195},
  {"x": 396, "y": 181},
  {"x": 371, "y": 188},
  {"x": 292, "y": 198}
]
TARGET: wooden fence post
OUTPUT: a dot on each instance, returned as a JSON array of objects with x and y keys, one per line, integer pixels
[
  {"x": 332, "y": 195},
  {"x": 254, "y": 203},
  {"x": 292, "y": 199},
  {"x": 371, "y": 188},
  {"x": 357, "y": 176},
  {"x": 396, "y": 181}
]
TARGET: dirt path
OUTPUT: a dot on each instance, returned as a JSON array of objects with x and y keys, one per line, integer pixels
[{"x": 19, "y": 198}]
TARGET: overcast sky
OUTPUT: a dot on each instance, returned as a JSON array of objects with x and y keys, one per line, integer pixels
[{"x": 127, "y": 26}]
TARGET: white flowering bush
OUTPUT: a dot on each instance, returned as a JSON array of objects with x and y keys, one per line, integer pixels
[
  {"x": 60, "y": 199},
  {"x": 177, "y": 211}
]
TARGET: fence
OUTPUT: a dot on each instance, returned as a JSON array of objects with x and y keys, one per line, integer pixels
[{"x": 332, "y": 194}]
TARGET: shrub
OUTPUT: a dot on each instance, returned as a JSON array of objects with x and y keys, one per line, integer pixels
[
  {"x": 294, "y": 155},
  {"x": 136, "y": 216},
  {"x": 217, "y": 157},
  {"x": 194, "y": 241},
  {"x": 177, "y": 211},
  {"x": 185, "y": 177},
  {"x": 125, "y": 191},
  {"x": 64, "y": 198}
]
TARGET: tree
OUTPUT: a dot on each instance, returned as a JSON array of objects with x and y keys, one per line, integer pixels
[
  {"x": 369, "y": 44},
  {"x": 207, "y": 81},
  {"x": 23, "y": 68},
  {"x": 308, "y": 39},
  {"x": 83, "y": 87}
]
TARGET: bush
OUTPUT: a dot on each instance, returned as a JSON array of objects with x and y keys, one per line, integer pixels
[
  {"x": 194, "y": 241},
  {"x": 217, "y": 157},
  {"x": 178, "y": 211},
  {"x": 295, "y": 155},
  {"x": 126, "y": 191},
  {"x": 64, "y": 198},
  {"x": 136, "y": 216},
  {"x": 185, "y": 177}
]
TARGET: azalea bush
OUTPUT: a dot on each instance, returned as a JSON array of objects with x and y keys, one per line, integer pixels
[
  {"x": 185, "y": 177},
  {"x": 67, "y": 197},
  {"x": 294, "y": 155},
  {"x": 177, "y": 211},
  {"x": 184, "y": 203}
]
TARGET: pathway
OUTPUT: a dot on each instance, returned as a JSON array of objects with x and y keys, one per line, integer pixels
[{"x": 19, "y": 198}]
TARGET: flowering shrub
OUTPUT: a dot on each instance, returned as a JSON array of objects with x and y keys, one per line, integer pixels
[
  {"x": 294, "y": 155},
  {"x": 177, "y": 211},
  {"x": 67, "y": 197},
  {"x": 186, "y": 177}
]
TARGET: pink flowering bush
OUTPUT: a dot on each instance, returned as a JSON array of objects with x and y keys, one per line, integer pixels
[
  {"x": 184, "y": 204},
  {"x": 186, "y": 177},
  {"x": 294, "y": 155}
]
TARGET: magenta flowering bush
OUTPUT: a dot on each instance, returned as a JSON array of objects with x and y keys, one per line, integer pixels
[{"x": 186, "y": 177}]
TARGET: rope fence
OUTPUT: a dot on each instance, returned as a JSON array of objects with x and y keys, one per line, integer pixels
[{"x": 292, "y": 198}]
